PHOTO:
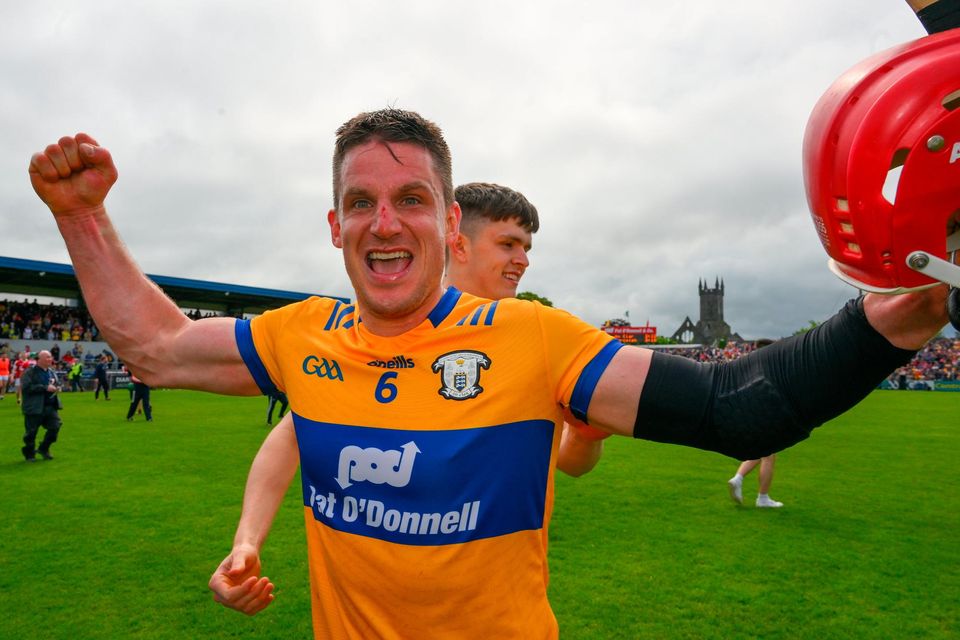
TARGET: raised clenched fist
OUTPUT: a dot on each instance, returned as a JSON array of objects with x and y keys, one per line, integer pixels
[{"x": 72, "y": 175}]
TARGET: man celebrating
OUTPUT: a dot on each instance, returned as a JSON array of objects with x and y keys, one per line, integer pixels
[
  {"x": 427, "y": 419},
  {"x": 40, "y": 407},
  {"x": 488, "y": 259}
]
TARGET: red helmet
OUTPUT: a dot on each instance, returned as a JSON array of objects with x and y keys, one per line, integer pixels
[{"x": 897, "y": 111}]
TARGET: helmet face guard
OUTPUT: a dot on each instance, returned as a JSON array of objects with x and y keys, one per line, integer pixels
[{"x": 896, "y": 114}]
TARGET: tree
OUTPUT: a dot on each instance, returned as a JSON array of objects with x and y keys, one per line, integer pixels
[
  {"x": 812, "y": 325},
  {"x": 530, "y": 295},
  {"x": 616, "y": 322}
]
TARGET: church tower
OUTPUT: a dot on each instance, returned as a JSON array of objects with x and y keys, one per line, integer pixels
[
  {"x": 711, "y": 328},
  {"x": 711, "y": 302}
]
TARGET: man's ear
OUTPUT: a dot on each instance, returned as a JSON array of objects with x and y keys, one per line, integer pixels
[
  {"x": 460, "y": 248},
  {"x": 452, "y": 222},
  {"x": 334, "y": 223}
]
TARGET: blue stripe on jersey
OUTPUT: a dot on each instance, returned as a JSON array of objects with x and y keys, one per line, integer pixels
[
  {"x": 426, "y": 487},
  {"x": 476, "y": 315},
  {"x": 587, "y": 382},
  {"x": 333, "y": 315},
  {"x": 348, "y": 323},
  {"x": 343, "y": 314},
  {"x": 444, "y": 307},
  {"x": 244, "y": 338},
  {"x": 489, "y": 319}
]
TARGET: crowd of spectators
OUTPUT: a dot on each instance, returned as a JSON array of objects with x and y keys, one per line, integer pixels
[
  {"x": 35, "y": 321},
  {"x": 26, "y": 320},
  {"x": 70, "y": 359},
  {"x": 938, "y": 360},
  {"x": 731, "y": 351}
]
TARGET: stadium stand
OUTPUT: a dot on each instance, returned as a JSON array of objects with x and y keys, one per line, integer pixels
[{"x": 28, "y": 324}]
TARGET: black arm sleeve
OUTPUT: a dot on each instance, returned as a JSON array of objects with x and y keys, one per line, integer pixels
[
  {"x": 771, "y": 398},
  {"x": 940, "y": 16}
]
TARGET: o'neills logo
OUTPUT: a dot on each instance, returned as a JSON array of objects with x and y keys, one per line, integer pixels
[{"x": 398, "y": 362}]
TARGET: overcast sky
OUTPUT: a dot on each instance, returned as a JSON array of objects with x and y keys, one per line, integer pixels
[{"x": 661, "y": 144}]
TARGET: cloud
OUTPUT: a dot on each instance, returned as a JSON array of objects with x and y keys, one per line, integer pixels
[{"x": 660, "y": 143}]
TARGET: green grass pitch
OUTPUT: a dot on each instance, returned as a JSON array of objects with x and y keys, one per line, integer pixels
[{"x": 117, "y": 536}]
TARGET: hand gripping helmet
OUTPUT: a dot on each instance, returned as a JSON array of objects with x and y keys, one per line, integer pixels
[{"x": 895, "y": 113}]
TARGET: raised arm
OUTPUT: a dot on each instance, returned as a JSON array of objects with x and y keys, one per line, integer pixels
[
  {"x": 773, "y": 397},
  {"x": 146, "y": 329},
  {"x": 237, "y": 583}
]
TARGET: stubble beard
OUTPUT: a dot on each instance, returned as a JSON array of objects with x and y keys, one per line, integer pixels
[{"x": 395, "y": 308}]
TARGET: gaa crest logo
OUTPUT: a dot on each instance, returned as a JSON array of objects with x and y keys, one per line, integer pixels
[
  {"x": 460, "y": 374},
  {"x": 322, "y": 368}
]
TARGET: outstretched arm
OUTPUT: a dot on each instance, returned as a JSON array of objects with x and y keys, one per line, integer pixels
[
  {"x": 237, "y": 583},
  {"x": 774, "y": 397},
  {"x": 145, "y": 327}
]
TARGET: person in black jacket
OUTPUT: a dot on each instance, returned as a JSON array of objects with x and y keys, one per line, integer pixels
[
  {"x": 40, "y": 407},
  {"x": 102, "y": 384},
  {"x": 141, "y": 393}
]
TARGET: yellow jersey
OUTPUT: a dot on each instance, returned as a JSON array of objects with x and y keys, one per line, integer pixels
[{"x": 427, "y": 459}]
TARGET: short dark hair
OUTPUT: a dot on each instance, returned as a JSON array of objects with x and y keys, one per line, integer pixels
[
  {"x": 394, "y": 125},
  {"x": 495, "y": 202}
]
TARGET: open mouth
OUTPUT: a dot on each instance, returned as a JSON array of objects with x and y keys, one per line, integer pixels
[
  {"x": 388, "y": 263},
  {"x": 512, "y": 277}
]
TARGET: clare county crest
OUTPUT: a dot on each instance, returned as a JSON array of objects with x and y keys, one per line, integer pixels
[{"x": 460, "y": 373}]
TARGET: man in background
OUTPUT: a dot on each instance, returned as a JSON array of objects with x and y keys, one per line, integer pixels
[
  {"x": 20, "y": 366},
  {"x": 487, "y": 259},
  {"x": 141, "y": 393},
  {"x": 735, "y": 484},
  {"x": 40, "y": 407},
  {"x": 100, "y": 372},
  {"x": 4, "y": 373},
  {"x": 74, "y": 376}
]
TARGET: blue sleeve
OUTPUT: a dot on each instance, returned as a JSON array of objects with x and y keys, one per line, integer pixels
[
  {"x": 248, "y": 351},
  {"x": 587, "y": 382}
]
